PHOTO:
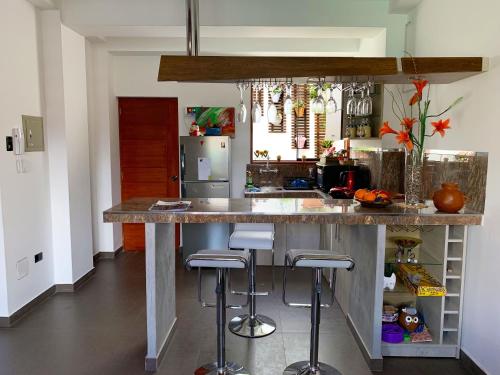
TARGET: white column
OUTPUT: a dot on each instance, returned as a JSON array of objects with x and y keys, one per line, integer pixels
[
  {"x": 67, "y": 146},
  {"x": 104, "y": 146}
]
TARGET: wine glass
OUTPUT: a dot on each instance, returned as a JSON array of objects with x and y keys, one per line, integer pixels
[
  {"x": 242, "y": 109},
  {"x": 331, "y": 104},
  {"x": 365, "y": 105},
  {"x": 352, "y": 103},
  {"x": 318, "y": 105},
  {"x": 257, "y": 109},
  {"x": 272, "y": 113},
  {"x": 288, "y": 105},
  {"x": 360, "y": 105},
  {"x": 368, "y": 106}
]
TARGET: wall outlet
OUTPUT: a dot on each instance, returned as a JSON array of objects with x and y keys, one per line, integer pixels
[
  {"x": 38, "y": 257},
  {"x": 22, "y": 268}
]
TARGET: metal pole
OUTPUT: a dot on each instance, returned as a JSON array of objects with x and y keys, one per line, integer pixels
[
  {"x": 315, "y": 319},
  {"x": 253, "y": 271},
  {"x": 192, "y": 27},
  {"x": 220, "y": 290}
]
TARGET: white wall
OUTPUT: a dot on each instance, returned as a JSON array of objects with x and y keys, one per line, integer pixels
[
  {"x": 25, "y": 197},
  {"x": 117, "y": 75},
  {"x": 4, "y": 311},
  {"x": 448, "y": 28},
  {"x": 143, "y": 82}
]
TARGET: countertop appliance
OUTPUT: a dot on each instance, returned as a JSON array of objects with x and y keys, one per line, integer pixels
[
  {"x": 205, "y": 173},
  {"x": 329, "y": 176}
]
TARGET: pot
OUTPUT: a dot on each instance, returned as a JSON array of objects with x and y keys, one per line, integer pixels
[
  {"x": 449, "y": 198},
  {"x": 299, "y": 111}
]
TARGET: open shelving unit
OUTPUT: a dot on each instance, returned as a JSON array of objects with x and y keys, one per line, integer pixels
[{"x": 443, "y": 254}]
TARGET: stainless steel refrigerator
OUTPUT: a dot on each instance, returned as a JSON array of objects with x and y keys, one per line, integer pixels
[{"x": 205, "y": 173}]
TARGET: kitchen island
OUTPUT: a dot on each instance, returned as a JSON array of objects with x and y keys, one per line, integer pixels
[{"x": 347, "y": 227}]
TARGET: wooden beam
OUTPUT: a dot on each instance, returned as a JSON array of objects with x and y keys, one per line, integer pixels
[
  {"x": 233, "y": 68},
  {"x": 433, "y": 65},
  {"x": 340, "y": 69}
]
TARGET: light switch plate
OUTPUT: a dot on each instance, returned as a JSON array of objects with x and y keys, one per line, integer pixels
[{"x": 33, "y": 133}]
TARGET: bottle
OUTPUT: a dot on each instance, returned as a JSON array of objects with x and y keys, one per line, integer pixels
[
  {"x": 367, "y": 128},
  {"x": 249, "y": 179}
]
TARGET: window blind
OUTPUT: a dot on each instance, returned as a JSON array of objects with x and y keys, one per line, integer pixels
[{"x": 319, "y": 131}]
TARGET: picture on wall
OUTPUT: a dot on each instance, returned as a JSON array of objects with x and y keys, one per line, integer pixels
[{"x": 210, "y": 121}]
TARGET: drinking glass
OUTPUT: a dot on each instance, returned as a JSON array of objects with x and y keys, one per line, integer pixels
[
  {"x": 242, "y": 109},
  {"x": 352, "y": 103},
  {"x": 318, "y": 105},
  {"x": 288, "y": 105},
  {"x": 360, "y": 110},
  {"x": 331, "y": 105},
  {"x": 365, "y": 105},
  {"x": 257, "y": 109},
  {"x": 272, "y": 113}
]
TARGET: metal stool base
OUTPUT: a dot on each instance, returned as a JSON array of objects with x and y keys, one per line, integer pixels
[
  {"x": 231, "y": 369},
  {"x": 303, "y": 368},
  {"x": 262, "y": 326}
]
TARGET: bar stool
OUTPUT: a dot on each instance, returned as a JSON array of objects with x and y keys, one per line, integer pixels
[
  {"x": 253, "y": 237},
  {"x": 221, "y": 260},
  {"x": 315, "y": 259}
]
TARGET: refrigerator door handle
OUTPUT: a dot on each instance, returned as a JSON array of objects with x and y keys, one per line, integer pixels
[
  {"x": 183, "y": 190},
  {"x": 183, "y": 163}
]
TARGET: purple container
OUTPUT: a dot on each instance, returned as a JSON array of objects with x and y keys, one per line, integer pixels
[{"x": 392, "y": 333}]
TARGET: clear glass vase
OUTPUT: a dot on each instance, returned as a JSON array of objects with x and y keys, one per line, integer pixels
[{"x": 414, "y": 170}]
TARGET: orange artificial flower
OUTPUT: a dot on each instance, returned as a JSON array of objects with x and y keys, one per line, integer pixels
[
  {"x": 404, "y": 137},
  {"x": 408, "y": 122},
  {"x": 414, "y": 99},
  {"x": 440, "y": 126},
  {"x": 386, "y": 129},
  {"x": 419, "y": 86}
]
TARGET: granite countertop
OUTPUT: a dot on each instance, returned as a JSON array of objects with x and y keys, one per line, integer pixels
[{"x": 285, "y": 210}]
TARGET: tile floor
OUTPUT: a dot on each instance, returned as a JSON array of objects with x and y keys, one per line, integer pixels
[{"x": 100, "y": 329}]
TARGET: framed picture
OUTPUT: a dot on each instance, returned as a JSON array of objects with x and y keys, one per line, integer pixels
[{"x": 211, "y": 121}]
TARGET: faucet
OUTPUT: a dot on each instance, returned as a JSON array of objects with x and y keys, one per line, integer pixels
[{"x": 267, "y": 169}]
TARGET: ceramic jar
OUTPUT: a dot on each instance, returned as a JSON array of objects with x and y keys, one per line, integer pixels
[{"x": 449, "y": 198}]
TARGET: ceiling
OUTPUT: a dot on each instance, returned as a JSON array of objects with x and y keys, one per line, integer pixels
[{"x": 241, "y": 27}]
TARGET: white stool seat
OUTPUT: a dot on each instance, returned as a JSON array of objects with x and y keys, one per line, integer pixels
[
  {"x": 219, "y": 259},
  {"x": 318, "y": 259},
  {"x": 251, "y": 239}
]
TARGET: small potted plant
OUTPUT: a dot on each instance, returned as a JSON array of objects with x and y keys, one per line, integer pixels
[
  {"x": 329, "y": 155},
  {"x": 276, "y": 94},
  {"x": 299, "y": 108}
]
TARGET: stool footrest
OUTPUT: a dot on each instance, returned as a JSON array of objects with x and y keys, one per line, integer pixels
[{"x": 241, "y": 293}]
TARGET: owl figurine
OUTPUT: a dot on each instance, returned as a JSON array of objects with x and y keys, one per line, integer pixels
[{"x": 409, "y": 319}]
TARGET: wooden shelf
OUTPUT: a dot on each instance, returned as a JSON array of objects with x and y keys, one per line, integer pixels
[{"x": 347, "y": 69}]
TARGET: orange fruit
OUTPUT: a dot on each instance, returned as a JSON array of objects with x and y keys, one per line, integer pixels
[
  {"x": 370, "y": 196},
  {"x": 360, "y": 193}
]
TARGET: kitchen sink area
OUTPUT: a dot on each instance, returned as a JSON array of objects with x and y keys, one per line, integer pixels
[{"x": 280, "y": 192}]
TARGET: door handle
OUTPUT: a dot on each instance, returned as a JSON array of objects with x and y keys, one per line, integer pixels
[{"x": 174, "y": 178}]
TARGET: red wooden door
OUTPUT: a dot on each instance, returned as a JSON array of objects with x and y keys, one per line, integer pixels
[{"x": 149, "y": 156}]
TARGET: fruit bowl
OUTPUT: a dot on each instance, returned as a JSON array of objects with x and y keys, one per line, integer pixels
[
  {"x": 374, "y": 204},
  {"x": 373, "y": 198}
]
